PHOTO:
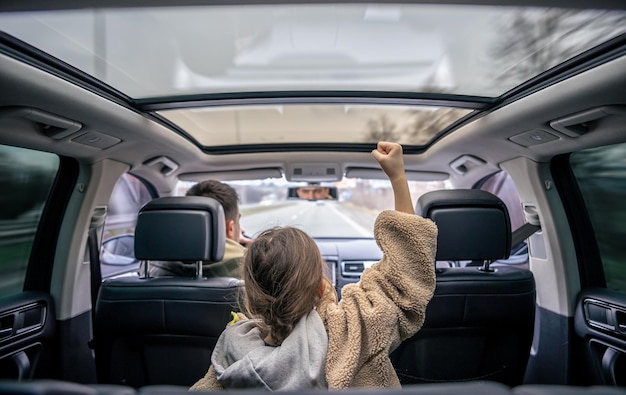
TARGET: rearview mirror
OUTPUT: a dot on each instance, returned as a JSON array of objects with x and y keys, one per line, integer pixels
[{"x": 313, "y": 192}]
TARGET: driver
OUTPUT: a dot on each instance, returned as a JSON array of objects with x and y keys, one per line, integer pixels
[
  {"x": 230, "y": 265},
  {"x": 298, "y": 335},
  {"x": 313, "y": 192}
]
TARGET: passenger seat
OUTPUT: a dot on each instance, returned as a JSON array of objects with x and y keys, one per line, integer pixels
[
  {"x": 479, "y": 324},
  {"x": 151, "y": 331}
]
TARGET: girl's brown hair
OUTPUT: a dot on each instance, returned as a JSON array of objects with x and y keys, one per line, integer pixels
[{"x": 283, "y": 273}]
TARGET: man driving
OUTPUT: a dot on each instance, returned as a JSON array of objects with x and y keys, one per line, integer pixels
[
  {"x": 230, "y": 264},
  {"x": 313, "y": 192}
]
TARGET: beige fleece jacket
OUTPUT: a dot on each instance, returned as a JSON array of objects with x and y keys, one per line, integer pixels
[{"x": 376, "y": 314}]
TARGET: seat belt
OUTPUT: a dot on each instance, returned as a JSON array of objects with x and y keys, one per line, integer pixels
[
  {"x": 93, "y": 246},
  {"x": 522, "y": 233},
  {"x": 94, "y": 266},
  {"x": 531, "y": 226}
]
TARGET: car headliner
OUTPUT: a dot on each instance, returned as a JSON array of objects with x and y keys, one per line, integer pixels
[{"x": 259, "y": 78}]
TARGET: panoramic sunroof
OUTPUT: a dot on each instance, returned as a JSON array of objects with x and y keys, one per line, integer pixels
[
  {"x": 174, "y": 51},
  {"x": 183, "y": 54},
  {"x": 313, "y": 123}
]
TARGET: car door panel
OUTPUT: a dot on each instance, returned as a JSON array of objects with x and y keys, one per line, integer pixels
[
  {"x": 600, "y": 323},
  {"x": 27, "y": 327}
]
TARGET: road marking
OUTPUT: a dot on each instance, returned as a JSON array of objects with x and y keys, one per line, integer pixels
[{"x": 360, "y": 229}]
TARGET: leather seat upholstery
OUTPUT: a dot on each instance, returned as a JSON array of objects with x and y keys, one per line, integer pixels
[
  {"x": 151, "y": 331},
  {"x": 479, "y": 324}
]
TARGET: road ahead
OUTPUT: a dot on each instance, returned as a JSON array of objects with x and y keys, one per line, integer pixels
[{"x": 318, "y": 219}]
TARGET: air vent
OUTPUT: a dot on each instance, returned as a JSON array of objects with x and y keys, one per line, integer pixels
[
  {"x": 331, "y": 271},
  {"x": 355, "y": 268}
]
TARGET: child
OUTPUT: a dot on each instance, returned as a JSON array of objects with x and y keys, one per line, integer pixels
[{"x": 299, "y": 335}]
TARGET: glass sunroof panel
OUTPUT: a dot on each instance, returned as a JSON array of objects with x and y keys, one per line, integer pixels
[
  {"x": 313, "y": 123},
  {"x": 469, "y": 50}
]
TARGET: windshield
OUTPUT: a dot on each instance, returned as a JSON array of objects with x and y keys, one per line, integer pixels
[{"x": 267, "y": 203}]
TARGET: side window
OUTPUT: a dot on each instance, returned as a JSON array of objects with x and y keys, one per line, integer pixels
[
  {"x": 26, "y": 178},
  {"x": 601, "y": 177},
  {"x": 118, "y": 247},
  {"x": 502, "y": 185}
]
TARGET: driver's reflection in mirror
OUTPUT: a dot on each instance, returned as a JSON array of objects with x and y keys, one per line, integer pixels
[{"x": 313, "y": 193}]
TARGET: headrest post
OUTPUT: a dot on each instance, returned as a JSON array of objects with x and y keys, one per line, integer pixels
[
  {"x": 199, "y": 269},
  {"x": 146, "y": 269},
  {"x": 485, "y": 267}
]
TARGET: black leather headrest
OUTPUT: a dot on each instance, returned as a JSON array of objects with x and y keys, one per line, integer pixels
[
  {"x": 181, "y": 228},
  {"x": 473, "y": 224}
]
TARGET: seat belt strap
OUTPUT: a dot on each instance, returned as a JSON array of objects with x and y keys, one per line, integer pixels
[
  {"x": 94, "y": 265},
  {"x": 522, "y": 233},
  {"x": 96, "y": 225}
]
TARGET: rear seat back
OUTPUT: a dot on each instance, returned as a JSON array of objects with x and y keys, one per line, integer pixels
[
  {"x": 54, "y": 387},
  {"x": 479, "y": 324},
  {"x": 152, "y": 331}
]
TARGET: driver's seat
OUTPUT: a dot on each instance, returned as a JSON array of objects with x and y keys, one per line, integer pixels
[{"x": 163, "y": 330}]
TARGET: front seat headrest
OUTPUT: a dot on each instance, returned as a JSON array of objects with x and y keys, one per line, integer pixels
[
  {"x": 473, "y": 224},
  {"x": 181, "y": 228}
]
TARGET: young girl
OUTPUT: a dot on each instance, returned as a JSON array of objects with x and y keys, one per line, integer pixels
[{"x": 299, "y": 335}]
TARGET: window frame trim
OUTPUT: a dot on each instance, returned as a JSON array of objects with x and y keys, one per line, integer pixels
[{"x": 591, "y": 274}]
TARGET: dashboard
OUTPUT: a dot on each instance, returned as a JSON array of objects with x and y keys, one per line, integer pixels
[{"x": 348, "y": 258}]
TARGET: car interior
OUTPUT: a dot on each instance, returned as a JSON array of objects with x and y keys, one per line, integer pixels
[{"x": 512, "y": 119}]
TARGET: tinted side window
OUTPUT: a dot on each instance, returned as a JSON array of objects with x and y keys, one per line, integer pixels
[
  {"x": 118, "y": 247},
  {"x": 601, "y": 177},
  {"x": 26, "y": 178}
]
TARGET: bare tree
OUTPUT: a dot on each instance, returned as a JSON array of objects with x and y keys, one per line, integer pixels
[
  {"x": 529, "y": 44},
  {"x": 424, "y": 126},
  {"x": 381, "y": 129},
  {"x": 427, "y": 124}
]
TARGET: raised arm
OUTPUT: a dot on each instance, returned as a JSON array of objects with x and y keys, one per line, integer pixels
[
  {"x": 389, "y": 155},
  {"x": 388, "y": 304}
]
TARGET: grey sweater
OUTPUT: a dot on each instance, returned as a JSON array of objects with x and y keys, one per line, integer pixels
[{"x": 242, "y": 359}]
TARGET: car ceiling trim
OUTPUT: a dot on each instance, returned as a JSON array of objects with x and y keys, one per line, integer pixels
[
  {"x": 230, "y": 175},
  {"x": 43, "y": 5},
  {"x": 303, "y": 147},
  {"x": 26, "y": 53},
  {"x": 315, "y": 97},
  {"x": 594, "y": 57},
  {"x": 604, "y": 53},
  {"x": 411, "y": 175}
]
